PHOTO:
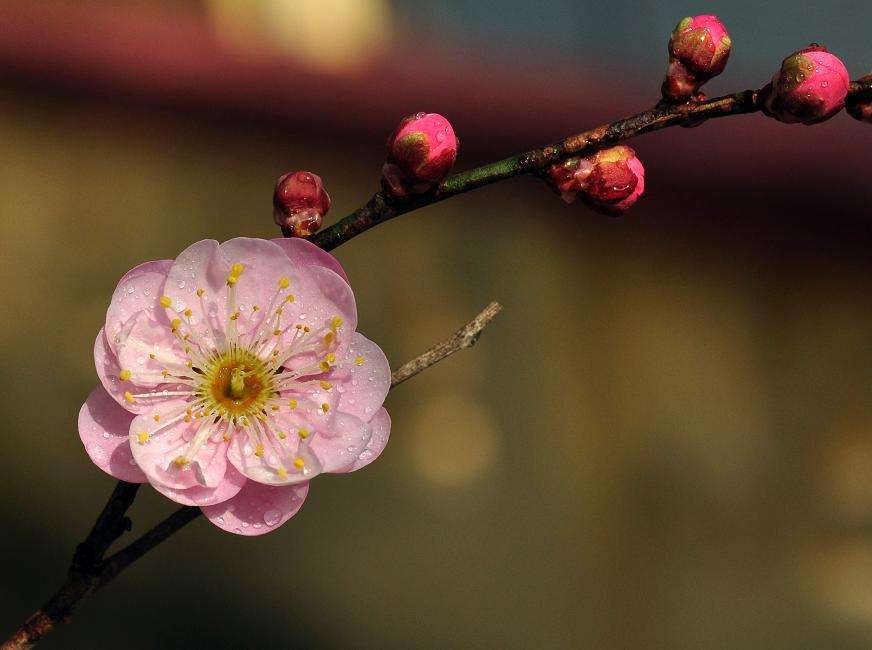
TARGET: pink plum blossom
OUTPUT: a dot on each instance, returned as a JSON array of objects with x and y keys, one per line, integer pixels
[
  {"x": 609, "y": 181},
  {"x": 421, "y": 152},
  {"x": 698, "y": 50},
  {"x": 810, "y": 87},
  {"x": 232, "y": 376},
  {"x": 300, "y": 203}
]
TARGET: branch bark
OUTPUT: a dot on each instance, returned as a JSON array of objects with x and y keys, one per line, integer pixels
[
  {"x": 382, "y": 207},
  {"x": 89, "y": 571}
]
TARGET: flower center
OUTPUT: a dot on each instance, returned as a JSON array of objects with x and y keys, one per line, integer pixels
[{"x": 236, "y": 383}]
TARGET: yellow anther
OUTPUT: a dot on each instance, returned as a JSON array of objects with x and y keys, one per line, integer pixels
[
  {"x": 187, "y": 349},
  {"x": 157, "y": 418},
  {"x": 330, "y": 357},
  {"x": 325, "y": 407},
  {"x": 279, "y": 311},
  {"x": 189, "y": 363},
  {"x": 290, "y": 298},
  {"x": 231, "y": 280},
  {"x": 358, "y": 361},
  {"x": 292, "y": 404},
  {"x": 165, "y": 373},
  {"x": 299, "y": 463},
  {"x": 226, "y": 436},
  {"x": 259, "y": 451},
  {"x": 326, "y": 385},
  {"x": 180, "y": 461},
  {"x": 124, "y": 375},
  {"x": 284, "y": 283},
  {"x": 174, "y": 323},
  {"x": 336, "y": 323},
  {"x": 188, "y": 415},
  {"x": 324, "y": 366},
  {"x": 328, "y": 338},
  {"x": 142, "y": 436},
  {"x": 128, "y": 397},
  {"x": 235, "y": 316},
  {"x": 237, "y": 269},
  {"x": 255, "y": 308},
  {"x": 274, "y": 407},
  {"x": 188, "y": 313},
  {"x": 200, "y": 292},
  {"x": 166, "y": 301},
  {"x": 303, "y": 433},
  {"x": 306, "y": 328},
  {"x": 277, "y": 331},
  {"x": 282, "y": 472},
  {"x": 282, "y": 435},
  {"x": 152, "y": 356}
]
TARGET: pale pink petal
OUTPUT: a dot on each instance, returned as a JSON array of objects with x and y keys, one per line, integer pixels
[
  {"x": 337, "y": 298},
  {"x": 381, "y": 431},
  {"x": 157, "y": 444},
  {"x": 108, "y": 370},
  {"x": 147, "y": 347},
  {"x": 363, "y": 378},
  {"x": 257, "y": 509},
  {"x": 103, "y": 428},
  {"x": 276, "y": 455},
  {"x": 304, "y": 253},
  {"x": 349, "y": 437},
  {"x": 198, "y": 495},
  {"x": 138, "y": 290}
]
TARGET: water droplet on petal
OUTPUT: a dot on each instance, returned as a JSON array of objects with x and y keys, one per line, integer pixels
[{"x": 272, "y": 517}]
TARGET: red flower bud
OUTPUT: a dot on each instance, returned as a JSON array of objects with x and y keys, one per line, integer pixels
[
  {"x": 860, "y": 107},
  {"x": 609, "y": 181},
  {"x": 300, "y": 203},
  {"x": 421, "y": 152},
  {"x": 810, "y": 87},
  {"x": 698, "y": 50}
]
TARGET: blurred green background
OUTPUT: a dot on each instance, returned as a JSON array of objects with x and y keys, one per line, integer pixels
[{"x": 665, "y": 440}]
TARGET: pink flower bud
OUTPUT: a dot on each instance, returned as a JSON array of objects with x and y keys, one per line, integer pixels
[
  {"x": 860, "y": 106},
  {"x": 698, "y": 50},
  {"x": 609, "y": 181},
  {"x": 810, "y": 87},
  {"x": 421, "y": 152},
  {"x": 300, "y": 203}
]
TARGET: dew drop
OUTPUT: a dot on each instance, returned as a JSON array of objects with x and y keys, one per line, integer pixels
[
  {"x": 272, "y": 517},
  {"x": 824, "y": 84}
]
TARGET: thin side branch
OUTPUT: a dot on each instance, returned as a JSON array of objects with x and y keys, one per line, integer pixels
[
  {"x": 382, "y": 207},
  {"x": 463, "y": 338},
  {"x": 90, "y": 571}
]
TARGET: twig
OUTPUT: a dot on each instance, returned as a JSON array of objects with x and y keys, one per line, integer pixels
[
  {"x": 463, "y": 338},
  {"x": 90, "y": 571},
  {"x": 382, "y": 207}
]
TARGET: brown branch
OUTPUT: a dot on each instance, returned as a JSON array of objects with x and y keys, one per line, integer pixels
[
  {"x": 382, "y": 207},
  {"x": 89, "y": 570},
  {"x": 463, "y": 338}
]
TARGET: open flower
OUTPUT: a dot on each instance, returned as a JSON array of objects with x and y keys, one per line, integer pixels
[{"x": 232, "y": 376}]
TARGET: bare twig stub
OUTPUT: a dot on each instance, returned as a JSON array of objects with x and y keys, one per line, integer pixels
[
  {"x": 90, "y": 571},
  {"x": 465, "y": 337}
]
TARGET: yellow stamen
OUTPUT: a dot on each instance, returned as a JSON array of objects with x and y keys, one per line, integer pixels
[
  {"x": 166, "y": 301},
  {"x": 284, "y": 283},
  {"x": 259, "y": 451},
  {"x": 293, "y": 404},
  {"x": 128, "y": 397},
  {"x": 180, "y": 461},
  {"x": 290, "y": 298},
  {"x": 336, "y": 323},
  {"x": 188, "y": 313},
  {"x": 299, "y": 463},
  {"x": 303, "y": 433},
  {"x": 325, "y": 407},
  {"x": 326, "y": 385},
  {"x": 124, "y": 375},
  {"x": 157, "y": 418},
  {"x": 142, "y": 436},
  {"x": 359, "y": 361},
  {"x": 282, "y": 472},
  {"x": 200, "y": 292}
]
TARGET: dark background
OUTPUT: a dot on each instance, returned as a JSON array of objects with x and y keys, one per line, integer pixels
[{"x": 665, "y": 441}]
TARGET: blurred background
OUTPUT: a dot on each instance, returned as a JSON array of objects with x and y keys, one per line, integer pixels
[{"x": 665, "y": 441}]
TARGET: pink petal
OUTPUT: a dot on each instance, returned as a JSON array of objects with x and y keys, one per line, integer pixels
[
  {"x": 162, "y": 444},
  {"x": 363, "y": 387},
  {"x": 304, "y": 253},
  {"x": 264, "y": 469},
  {"x": 108, "y": 371},
  {"x": 144, "y": 335},
  {"x": 336, "y": 298},
  {"x": 381, "y": 432},
  {"x": 349, "y": 437},
  {"x": 198, "y": 495},
  {"x": 139, "y": 289},
  {"x": 103, "y": 428},
  {"x": 257, "y": 509}
]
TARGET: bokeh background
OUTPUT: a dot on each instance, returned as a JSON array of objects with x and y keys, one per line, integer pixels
[{"x": 665, "y": 441}]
